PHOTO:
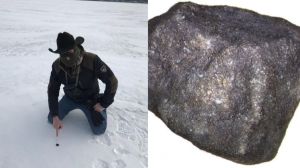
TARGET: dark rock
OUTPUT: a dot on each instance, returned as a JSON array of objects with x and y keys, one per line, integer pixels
[{"x": 224, "y": 78}]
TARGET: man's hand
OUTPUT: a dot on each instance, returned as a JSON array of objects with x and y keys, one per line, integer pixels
[
  {"x": 97, "y": 107},
  {"x": 57, "y": 124}
]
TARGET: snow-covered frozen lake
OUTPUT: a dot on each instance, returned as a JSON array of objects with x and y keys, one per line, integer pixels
[{"x": 117, "y": 32}]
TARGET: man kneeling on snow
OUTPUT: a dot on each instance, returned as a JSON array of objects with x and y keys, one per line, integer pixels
[{"x": 79, "y": 71}]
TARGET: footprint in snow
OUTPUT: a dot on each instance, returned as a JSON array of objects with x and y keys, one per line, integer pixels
[
  {"x": 118, "y": 164},
  {"x": 121, "y": 151},
  {"x": 144, "y": 159},
  {"x": 142, "y": 139},
  {"x": 100, "y": 164},
  {"x": 126, "y": 131},
  {"x": 104, "y": 139}
]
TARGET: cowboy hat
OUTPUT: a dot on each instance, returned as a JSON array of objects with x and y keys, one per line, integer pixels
[{"x": 65, "y": 41}]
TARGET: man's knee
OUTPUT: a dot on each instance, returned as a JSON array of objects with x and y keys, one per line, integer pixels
[{"x": 100, "y": 129}]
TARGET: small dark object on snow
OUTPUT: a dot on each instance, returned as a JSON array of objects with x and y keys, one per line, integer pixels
[
  {"x": 226, "y": 79},
  {"x": 57, "y": 144}
]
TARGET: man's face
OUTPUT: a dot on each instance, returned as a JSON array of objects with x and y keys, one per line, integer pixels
[
  {"x": 69, "y": 53},
  {"x": 70, "y": 58}
]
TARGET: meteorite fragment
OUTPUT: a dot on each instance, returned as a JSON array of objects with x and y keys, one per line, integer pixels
[{"x": 224, "y": 78}]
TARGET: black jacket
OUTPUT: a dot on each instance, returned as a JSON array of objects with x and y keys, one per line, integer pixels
[{"x": 87, "y": 90}]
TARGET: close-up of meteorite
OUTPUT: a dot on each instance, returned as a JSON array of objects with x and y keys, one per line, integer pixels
[{"x": 226, "y": 79}]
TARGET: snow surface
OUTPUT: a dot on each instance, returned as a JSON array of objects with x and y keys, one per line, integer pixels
[{"x": 117, "y": 32}]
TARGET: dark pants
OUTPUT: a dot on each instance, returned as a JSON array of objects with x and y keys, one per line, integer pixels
[{"x": 66, "y": 105}]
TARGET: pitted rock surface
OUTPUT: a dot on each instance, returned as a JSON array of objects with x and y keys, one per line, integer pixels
[{"x": 224, "y": 78}]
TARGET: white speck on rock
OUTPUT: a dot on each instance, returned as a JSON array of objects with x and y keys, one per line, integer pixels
[
  {"x": 186, "y": 49},
  {"x": 218, "y": 101},
  {"x": 242, "y": 149},
  {"x": 200, "y": 75}
]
